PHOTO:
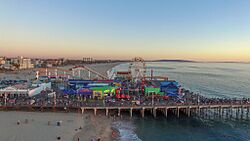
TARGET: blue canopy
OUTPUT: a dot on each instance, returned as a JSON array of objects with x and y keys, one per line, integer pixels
[
  {"x": 69, "y": 91},
  {"x": 172, "y": 94},
  {"x": 85, "y": 91},
  {"x": 167, "y": 83}
]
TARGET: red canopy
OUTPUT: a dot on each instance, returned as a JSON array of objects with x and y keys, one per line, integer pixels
[
  {"x": 165, "y": 97},
  {"x": 123, "y": 96},
  {"x": 118, "y": 96},
  {"x": 127, "y": 96}
]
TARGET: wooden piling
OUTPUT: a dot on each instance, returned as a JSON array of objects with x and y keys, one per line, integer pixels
[
  {"x": 82, "y": 110},
  {"x": 166, "y": 112},
  {"x": 131, "y": 112},
  {"x": 242, "y": 112},
  {"x": 178, "y": 112},
  {"x": 119, "y": 112},
  {"x": 107, "y": 111},
  {"x": 154, "y": 112},
  {"x": 143, "y": 112},
  {"x": 95, "y": 111},
  {"x": 247, "y": 112}
]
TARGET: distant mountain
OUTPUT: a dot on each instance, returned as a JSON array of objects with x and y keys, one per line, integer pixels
[{"x": 167, "y": 60}]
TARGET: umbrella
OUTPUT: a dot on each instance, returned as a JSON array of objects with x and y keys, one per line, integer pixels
[
  {"x": 127, "y": 96},
  {"x": 118, "y": 96},
  {"x": 123, "y": 96}
]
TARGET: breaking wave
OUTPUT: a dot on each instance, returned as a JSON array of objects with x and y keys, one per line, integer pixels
[{"x": 126, "y": 130}]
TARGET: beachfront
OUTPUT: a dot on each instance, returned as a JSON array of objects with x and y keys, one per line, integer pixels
[
  {"x": 36, "y": 126},
  {"x": 43, "y": 126}
]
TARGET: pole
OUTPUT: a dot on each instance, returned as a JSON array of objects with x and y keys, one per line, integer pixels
[
  {"x": 152, "y": 99},
  {"x": 5, "y": 99},
  {"x": 89, "y": 75}
]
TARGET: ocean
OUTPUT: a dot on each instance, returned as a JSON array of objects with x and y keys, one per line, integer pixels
[{"x": 209, "y": 79}]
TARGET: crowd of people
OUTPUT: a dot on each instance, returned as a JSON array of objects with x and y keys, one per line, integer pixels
[{"x": 59, "y": 99}]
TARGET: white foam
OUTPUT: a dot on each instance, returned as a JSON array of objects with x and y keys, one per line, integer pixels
[{"x": 127, "y": 131}]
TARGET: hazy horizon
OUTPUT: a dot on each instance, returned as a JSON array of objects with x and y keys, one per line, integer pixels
[{"x": 215, "y": 30}]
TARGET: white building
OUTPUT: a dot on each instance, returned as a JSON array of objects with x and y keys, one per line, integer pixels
[
  {"x": 2, "y": 61},
  {"x": 24, "y": 90},
  {"x": 25, "y": 63}
]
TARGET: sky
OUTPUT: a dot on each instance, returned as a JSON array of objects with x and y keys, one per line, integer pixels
[{"x": 201, "y": 30}]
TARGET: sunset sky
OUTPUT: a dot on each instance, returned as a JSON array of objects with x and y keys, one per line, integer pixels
[{"x": 206, "y": 30}]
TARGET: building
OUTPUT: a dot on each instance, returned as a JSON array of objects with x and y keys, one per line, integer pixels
[
  {"x": 24, "y": 90},
  {"x": 54, "y": 62},
  {"x": 8, "y": 65},
  {"x": 2, "y": 61},
  {"x": 25, "y": 63},
  {"x": 37, "y": 63},
  {"x": 88, "y": 60}
]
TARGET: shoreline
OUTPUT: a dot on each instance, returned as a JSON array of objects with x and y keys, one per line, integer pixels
[
  {"x": 83, "y": 126},
  {"x": 16, "y": 126}
]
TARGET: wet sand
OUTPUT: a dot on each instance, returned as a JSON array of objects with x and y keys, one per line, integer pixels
[
  {"x": 95, "y": 128},
  {"x": 74, "y": 126}
]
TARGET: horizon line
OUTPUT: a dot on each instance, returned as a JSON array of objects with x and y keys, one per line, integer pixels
[{"x": 146, "y": 60}]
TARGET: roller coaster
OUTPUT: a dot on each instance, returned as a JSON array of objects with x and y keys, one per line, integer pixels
[{"x": 76, "y": 72}]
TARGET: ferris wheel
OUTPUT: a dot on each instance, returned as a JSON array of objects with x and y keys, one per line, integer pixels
[{"x": 138, "y": 68}]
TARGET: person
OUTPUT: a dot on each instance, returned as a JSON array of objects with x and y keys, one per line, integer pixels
[{"x": 18, "y": 122}]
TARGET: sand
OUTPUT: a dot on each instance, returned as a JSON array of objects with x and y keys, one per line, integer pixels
[
  {"x": 95, "y": 128},
  {"x": 37, "y": 128}
]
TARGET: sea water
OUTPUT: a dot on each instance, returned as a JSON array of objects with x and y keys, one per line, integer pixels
[{"x": 209, "y": 79}]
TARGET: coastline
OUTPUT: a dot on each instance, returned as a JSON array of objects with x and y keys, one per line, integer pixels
[
  {"x": 96, "y": 128},
  {"x": 75, "y": 127},
  {"x": 43, "y": 126}
]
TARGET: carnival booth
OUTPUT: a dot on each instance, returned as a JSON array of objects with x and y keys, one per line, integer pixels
[
  {"x": 170, "y": 88},
  {"x": 100, "y": 92},
  {"x": 155, "y": 91},
  {"x": 85, "y": 92}
]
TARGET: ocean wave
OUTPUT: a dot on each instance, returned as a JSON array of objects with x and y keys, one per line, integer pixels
[{"x": 126, "y": 130}]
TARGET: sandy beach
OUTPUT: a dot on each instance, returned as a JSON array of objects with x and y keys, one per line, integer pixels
[
  {"x": 75, "y": 127},
  {"x": 36, "y": 128}
]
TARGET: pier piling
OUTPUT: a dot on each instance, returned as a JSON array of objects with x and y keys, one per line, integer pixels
[
  {"x": 131, "y": 112},
  {"x": 107, "y": 111},
  {"x": 119, "y": 112},
  {"x": 188, "y": 112},
  {"x": 166, "y": 112},
  {"x": 178, "y": 112},
  {"x": 95, "y": 111},
  {"x": 143, "y": 112},
  {"x": 82, "y": 109},
  {"x": 154, "y": 112}
]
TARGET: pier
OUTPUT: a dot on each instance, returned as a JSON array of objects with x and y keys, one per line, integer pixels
[
  {"x": 238, "y": 111},
  {"x": 130, "y": 93}
]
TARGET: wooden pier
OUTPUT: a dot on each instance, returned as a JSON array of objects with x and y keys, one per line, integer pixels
[{"x": 239, "y": 111}]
